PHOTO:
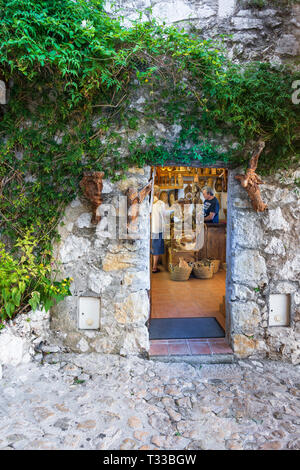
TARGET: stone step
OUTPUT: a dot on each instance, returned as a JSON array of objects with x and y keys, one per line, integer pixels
[{"x": 197, "y": 358}]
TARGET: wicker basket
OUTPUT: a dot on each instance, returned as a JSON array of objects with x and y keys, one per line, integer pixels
[
  {"x": 180, "y": 272},
  {"x": 175, "y": 255},
  {"x": 216, "y": 265},
  {"x": 203, "y": 270}
]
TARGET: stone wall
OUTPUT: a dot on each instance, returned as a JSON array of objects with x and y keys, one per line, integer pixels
[
  {"x": 268, "y": 33},
  {"x": 263, "y": 249},
  {"x": 263, "y": 259},
  {"x": 112, "y": 269},
  {"x": 23, "y": 336}
]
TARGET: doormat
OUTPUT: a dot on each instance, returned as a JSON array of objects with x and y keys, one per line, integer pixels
[{"x": 185, "y": 328}]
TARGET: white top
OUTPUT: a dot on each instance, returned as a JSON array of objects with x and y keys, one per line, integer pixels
[{"x": 159, "y": 212}]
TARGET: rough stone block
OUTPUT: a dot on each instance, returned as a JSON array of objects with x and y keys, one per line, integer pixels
[
  {"x": 240, "y": 292},
  {"x": 245, "y": 38},
  {"x": 287, "y": 45},
  {"x": 137, "y": 170},
  {"x": 173, "y": 11},
  {"x": 84, "y": 220},
  {"x": 297, "y": 298},
  {"x": 226, "y": 8},
  {"x": 134, "y": 309},
  {"x": 249, "y": 267},
  {"x": 245, "y": 317},
  {"x": 108, "y": 187},
  {"x": 128, "y": 183},
  {"x": 135, "y": 341},
  {"x": 105, "y": 344},
  {"x": 83, "y": 345},
  {"x": 275, "y": 247},
  {"x": 98, "y": 281},
  {"x": 74, "y": 248},
  {"x": 247, "y": 230},
  {"x": 290, "y": 271},
  {"x": 205, "y": 12},
  {"x": 276, "y": 221},
  {"x": 13, "y": 349},
  {"x": 115, "y": 262},
  {"x": 240, "y": 203},
  {"x": 244, "y": 346},
  {"x": 20, "y": 335},
  {"x": 278, "y": 196},
  {"x": 137, "y": 280},
  {"x": 64, "y": 315},
  {"x": 267, "y": 13},
  {"x": 241, "y": 23}
]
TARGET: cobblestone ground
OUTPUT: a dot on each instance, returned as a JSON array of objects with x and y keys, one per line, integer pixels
[{"x": 109, "y": 402}]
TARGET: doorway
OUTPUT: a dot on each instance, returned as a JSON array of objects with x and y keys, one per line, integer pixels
[{"x": 189, "y": 315}]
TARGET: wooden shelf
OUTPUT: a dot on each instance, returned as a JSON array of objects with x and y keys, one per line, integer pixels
[{"x": 169, "y": 178}]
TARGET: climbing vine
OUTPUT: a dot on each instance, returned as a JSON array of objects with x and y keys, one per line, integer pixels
[{"x": 74, "y": 75}]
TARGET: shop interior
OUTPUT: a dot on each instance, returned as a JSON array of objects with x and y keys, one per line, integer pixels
[{"x": 191, "y": 278}]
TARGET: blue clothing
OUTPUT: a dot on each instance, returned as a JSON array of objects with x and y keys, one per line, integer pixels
[
  {"x": 212, "y": 206},
  {"x": 158, "y": 246}
]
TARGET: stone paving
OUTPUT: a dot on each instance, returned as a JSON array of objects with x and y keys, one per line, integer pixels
[{"x": 93, "y": 401}]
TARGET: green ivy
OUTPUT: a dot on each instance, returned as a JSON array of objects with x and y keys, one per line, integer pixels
[
  {"x": 27, "y": 280},
  {"x": 74, "y": 73}
]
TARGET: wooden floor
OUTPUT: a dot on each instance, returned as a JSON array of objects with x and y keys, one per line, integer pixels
[{"x": 192, "y": 298}]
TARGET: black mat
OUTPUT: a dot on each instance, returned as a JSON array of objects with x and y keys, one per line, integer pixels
[{"x": 185, "y": 328}]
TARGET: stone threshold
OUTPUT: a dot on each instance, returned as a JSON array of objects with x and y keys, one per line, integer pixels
[
  {"x": 197, "y": 358},
  {"x": 198, "y": 350}
]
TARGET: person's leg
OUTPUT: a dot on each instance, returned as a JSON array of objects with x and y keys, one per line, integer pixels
[{"x": 155, "y": 262}]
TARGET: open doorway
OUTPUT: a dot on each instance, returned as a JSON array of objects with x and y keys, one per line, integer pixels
[{"x": 178, "y": 302}]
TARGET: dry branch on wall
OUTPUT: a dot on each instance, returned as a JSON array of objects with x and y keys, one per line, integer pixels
[
  {"x": 250, "y": 181},
  {"x": 91, "y": 185},
  {"x": 134, "y": 198}
]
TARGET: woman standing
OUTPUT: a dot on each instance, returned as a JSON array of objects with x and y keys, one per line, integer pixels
[{"x": 159, "y": 212}]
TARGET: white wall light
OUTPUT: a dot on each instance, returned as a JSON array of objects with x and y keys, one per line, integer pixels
[
  {"x": 279, "y": 309},
  {"x": 89, "y": 313}
]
